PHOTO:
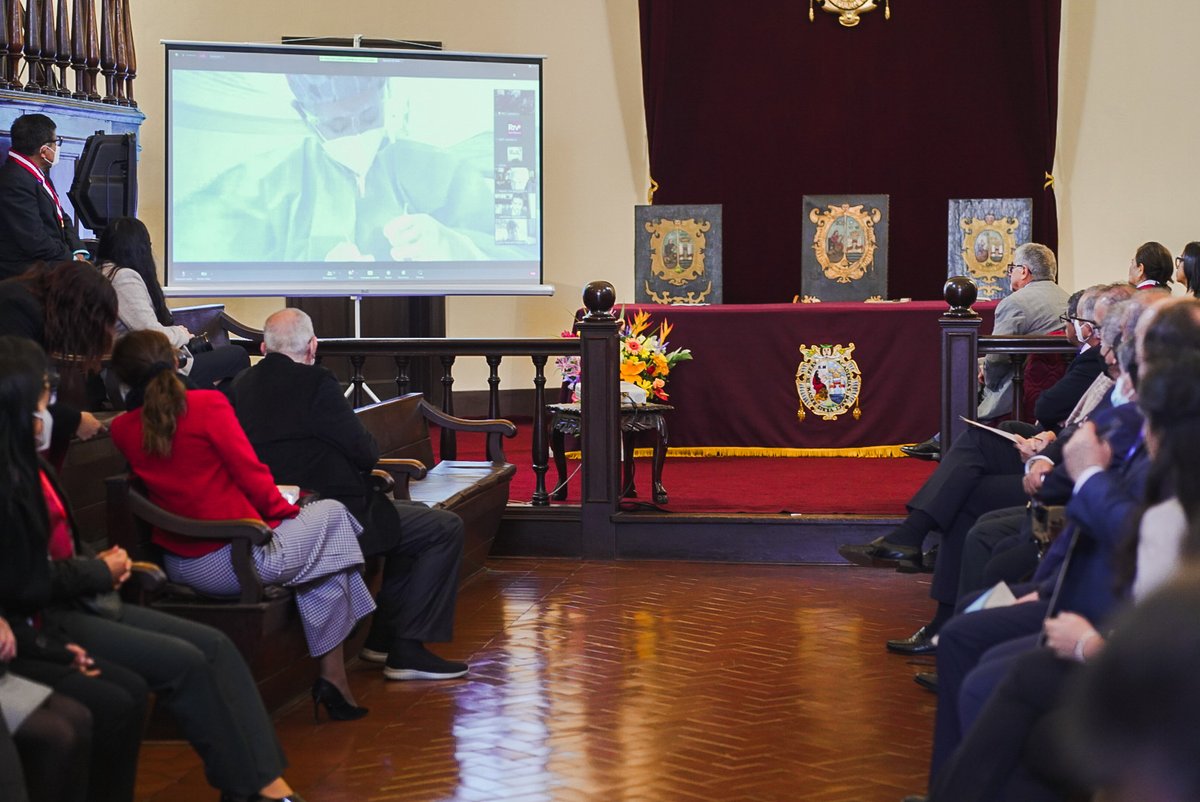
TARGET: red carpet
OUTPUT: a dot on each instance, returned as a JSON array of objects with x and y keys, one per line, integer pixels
[{"x": 837, "y": 485}]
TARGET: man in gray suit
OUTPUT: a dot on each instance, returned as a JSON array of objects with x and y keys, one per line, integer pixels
[{"x": 1034, "y": 307}]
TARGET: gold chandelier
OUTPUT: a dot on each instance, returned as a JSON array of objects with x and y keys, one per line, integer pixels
[{"x": 848, "y": 10}]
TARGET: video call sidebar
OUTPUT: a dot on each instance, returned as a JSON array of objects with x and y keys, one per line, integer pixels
[{"x": 515, "y": 151}]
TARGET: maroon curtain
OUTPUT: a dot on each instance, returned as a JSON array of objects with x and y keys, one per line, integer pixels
[{"x": 752, "y": 106}]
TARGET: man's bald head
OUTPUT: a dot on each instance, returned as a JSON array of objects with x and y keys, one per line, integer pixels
[{"x": 290, "y": 332}]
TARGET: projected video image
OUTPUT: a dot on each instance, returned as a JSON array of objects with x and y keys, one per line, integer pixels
[{"x": 345, "y": 176}]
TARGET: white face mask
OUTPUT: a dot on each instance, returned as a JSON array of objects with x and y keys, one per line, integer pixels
[
  {"x": 42, "y": 440},
  {"x": 355, "y": 152},
  {"x": 54, "y": 159},
  {"x": 1079, "y": 331},
  {"x": 1122, "y": 391}
]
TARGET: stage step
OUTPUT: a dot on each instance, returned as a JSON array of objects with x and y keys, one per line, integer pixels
[{"x": 647, "y": 535}]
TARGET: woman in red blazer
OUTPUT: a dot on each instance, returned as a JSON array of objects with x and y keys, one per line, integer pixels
[{"x": 191, "y": 453}]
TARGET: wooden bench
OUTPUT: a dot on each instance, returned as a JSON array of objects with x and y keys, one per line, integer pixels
[
  {"x": 477, "y": 491},
  {"x": 264, "y": 622}
]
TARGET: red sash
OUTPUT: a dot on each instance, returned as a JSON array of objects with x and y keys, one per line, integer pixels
[{"x": 40, "y": 177}]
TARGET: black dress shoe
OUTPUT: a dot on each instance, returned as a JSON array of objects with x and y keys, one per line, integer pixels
[
  {"x": 925, "y": 566},
  {"x": 881, "y": 554},
  {"x": 920, "y": 642},
  {"x": 930, "y": 450},
  {"x": 927, "y": 680}
]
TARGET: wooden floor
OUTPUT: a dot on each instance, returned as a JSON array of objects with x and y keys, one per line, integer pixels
[{"x": 632, "y": 681}]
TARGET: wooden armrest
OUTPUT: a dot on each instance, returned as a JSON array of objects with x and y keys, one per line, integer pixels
[
  {"x": 495, "y": 428},
  {"x": 498, "y": 425},
  {"x": 251, "y": 529},
  {"x": 149, "y": 576},
  {"x": 401, "y": 472}
]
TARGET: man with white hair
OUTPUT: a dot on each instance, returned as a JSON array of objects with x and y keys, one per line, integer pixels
[{"x": 305, "y": 430}]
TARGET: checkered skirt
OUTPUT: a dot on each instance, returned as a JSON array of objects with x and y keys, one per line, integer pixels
[{"x": 316, "y": 554}]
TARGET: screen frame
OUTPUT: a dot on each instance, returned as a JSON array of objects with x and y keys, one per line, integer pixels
[{"x": 380, "y": 288}]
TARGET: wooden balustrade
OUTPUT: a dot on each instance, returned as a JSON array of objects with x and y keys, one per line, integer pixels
[
  {"x": 47, "y": 42},
  {"x": 961, "y": 348},
  {"x": 599, "y": 351}
]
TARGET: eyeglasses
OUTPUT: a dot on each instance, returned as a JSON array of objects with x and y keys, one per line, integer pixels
[
  {"x": 1012, "y": 267},
  {"x": 56, "y": 142},
  {"x": 1069, "y": 318}
]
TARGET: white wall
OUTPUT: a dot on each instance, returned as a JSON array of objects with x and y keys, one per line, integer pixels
[{"x": 1127, "y": 148}]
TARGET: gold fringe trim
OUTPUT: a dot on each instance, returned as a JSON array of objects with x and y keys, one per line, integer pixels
[{"x": 864, "y": 452}]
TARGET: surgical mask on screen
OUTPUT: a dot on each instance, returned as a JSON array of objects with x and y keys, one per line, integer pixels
[{"x": 355, "y": 152}]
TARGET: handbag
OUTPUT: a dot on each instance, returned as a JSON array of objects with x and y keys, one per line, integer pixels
[{"x": 1047, "y": 522}]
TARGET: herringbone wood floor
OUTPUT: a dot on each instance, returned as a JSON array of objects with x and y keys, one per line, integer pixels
[{"x": 632, "y": 681}]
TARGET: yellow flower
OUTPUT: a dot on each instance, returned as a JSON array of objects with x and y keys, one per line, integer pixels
[
  {"x": 641, "y": 322},
  {"x": 631, "y": 370}
]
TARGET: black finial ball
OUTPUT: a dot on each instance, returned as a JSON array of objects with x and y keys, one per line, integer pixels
[
  {"x": 959, "y": 292},
  {"x": 599, "y": 298}
]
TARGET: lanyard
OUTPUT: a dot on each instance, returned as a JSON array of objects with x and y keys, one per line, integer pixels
[{"x": 32, "y": 169}]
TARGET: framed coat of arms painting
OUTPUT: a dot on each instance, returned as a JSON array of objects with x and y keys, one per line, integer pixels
[
  {"x": 844, "y": 247},
  {"x": 677, "y": 254},
  {"x": 982, "y": 235}
]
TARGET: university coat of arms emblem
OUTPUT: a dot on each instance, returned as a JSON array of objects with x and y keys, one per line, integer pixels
[
  {"x": 988, "y": 245},
  {"x": 828, "y": 381},
  {"x": 844, "y": 242},
  {"x": 677, "y": 257}
]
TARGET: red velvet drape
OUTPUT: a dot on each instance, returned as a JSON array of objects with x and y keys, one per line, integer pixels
[{"x": 752, "y": 106}]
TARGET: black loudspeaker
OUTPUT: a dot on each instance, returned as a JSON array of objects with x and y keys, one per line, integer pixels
[{"x": 105, "y": 185}]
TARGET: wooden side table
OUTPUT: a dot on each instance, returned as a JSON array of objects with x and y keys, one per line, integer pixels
[{"x": 635, "y": 418}]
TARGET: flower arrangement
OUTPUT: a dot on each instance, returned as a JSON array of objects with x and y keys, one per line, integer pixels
[{"x": 645, "y": 360}]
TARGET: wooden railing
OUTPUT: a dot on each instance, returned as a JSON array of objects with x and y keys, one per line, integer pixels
[
  {"x": 961, "y": 348},
  {"x": 599, "y": 352},
  {"x": 42, "y": 42}
]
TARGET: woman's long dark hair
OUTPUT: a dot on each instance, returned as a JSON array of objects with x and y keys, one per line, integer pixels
[
  {"x": 1191, "y": 267},
  {"x": 126, "y": 243},
  {"x": 145, "y": 361},
  {"x": 23, "y": 507},
  {"x": 79, "y": 308}
]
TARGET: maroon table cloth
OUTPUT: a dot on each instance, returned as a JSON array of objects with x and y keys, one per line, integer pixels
[{"x": 739, "y": 397}]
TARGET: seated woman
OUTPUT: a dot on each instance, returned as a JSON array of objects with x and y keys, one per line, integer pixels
[
  {"x": 66, "y": 308},
  {"x": 125, "y": 258},
  {"x": 190, "y": 451},
  {"x": 51, "y": 735},
  {"x": 1187, "y": 268},
  {"x": 194, "y": 670}
]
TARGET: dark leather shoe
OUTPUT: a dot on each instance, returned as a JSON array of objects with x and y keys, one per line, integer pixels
[
  {"x": 881, "y": 554},
  {"x": 920, "y": 642},
  {"x": 930, "y": 450},
  {"x": 924, "y": 566},
  {"x": 927, "y": 680}
]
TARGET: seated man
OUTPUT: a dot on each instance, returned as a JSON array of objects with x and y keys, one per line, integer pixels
[
  {"x": 304, "y": 430},
  {"x": 1034, "y": 307},
  {"x": 981, "y": 472}
]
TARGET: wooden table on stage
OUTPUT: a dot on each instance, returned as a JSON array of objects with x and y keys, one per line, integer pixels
[{"x": 635, "y": 418}]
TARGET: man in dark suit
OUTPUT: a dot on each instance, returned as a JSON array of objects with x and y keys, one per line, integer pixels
[
  {"x": 34, "y": 226},
  {"x": 305, "y": 430}
]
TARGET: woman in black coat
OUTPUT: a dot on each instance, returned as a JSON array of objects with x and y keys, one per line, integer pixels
[{"x": 194, "y": 670}]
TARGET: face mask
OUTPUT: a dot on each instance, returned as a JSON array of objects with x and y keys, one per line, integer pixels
[
  {"x": 1121, "y": 392},
  {"x": 42, "y": 441},
  {"x": 1078, "y": 331},
  {"x": 355, "y": 152},
  {"x": 54, "y": 159}
]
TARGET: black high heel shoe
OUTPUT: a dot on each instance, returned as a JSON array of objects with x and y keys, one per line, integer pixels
[{"x": 326, "y": 693}]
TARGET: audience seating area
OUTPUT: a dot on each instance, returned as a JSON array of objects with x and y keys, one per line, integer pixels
[{"x": 263, "y": 622}]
